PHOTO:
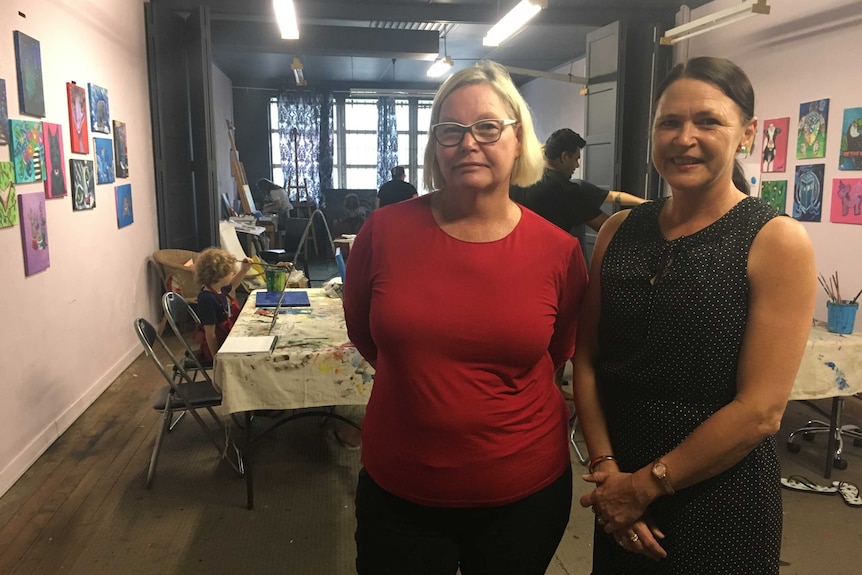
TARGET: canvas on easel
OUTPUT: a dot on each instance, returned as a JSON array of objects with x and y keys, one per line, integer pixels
[{"x": 243, "y": 191}]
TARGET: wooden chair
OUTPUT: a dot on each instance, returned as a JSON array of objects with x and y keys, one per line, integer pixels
[{"x": 176, "y": 276}]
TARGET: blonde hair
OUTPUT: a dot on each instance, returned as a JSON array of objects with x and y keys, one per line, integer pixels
[
  {"x": 528, "y": 166},
  {"x": 212, "y": 264}
]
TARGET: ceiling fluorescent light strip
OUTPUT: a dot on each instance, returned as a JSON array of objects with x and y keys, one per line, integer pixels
[
  {"x": 715, "y": 21},
  {"x": 285, "y": 14},
  {"x": 512, "y": 22}
]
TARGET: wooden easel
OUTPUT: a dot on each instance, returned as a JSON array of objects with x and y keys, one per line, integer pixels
[
  {"x": 243, "y": 191},
  {"x": 303, "y": 205}
]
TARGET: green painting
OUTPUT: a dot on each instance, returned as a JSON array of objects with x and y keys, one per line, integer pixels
[
  {"x": 27, "y": 151},
  {"x": 8, "y": 200},
  {"x": 775, "y": 194}
]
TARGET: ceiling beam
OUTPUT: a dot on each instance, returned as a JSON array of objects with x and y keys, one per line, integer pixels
[{"x": 329, "y": 40}]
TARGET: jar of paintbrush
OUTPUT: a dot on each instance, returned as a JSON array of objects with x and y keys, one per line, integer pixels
[{"x": 840, "y": 313}]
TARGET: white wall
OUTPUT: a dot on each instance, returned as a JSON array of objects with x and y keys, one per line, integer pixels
[
  {"x": 802, "y": 51},
  {"x": 67, "y": 332},
  {"x": 557, "y": 104}
]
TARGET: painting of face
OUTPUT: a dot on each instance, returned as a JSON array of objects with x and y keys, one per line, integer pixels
[
  {"x": 471, "y": 165},
  {"x": 697, "y": 133},
  {"x": 78, "y": 131}
]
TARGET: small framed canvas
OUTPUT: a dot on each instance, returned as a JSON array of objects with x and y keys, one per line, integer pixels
[
  {"x": 83, "y": 185},
  {"x": 55, "y": 164},
  {"x": 78, "y": 133},
  {"x": 125, "y": 216},
  {"x": 100, "y": 113},
  {"x": 27, "y": 150},
  {"x": 8, "y": 200},
  {"x": 34, "y": 233},
  {"x": 4, "y": 115},
  {"x": 31, "y": 97},
  {"x": 104, "y": 160},
  {"x": 121, "y": 150}
]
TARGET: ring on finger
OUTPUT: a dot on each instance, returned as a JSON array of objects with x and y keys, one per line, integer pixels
[{"x": 634, "y": 537}]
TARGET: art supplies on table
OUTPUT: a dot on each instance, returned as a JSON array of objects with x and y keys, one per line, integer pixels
[
  {"x": 291, "y": 299},
  {"x": 249, "y": 344}
]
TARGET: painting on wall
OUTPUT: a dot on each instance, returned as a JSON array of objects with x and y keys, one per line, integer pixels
[
  {"x": 4, "y": 115},
  {"x": 34, "y": 233},
  {"x": 8, "y": 201},
  {"x": 78, "y": 134},
  {"x": 846, "y": 201},
  {"x": 55, "y": 163},
  {"x": 125, "y": 216},
  {"x": 808, "y": 193},
  {"x": 26, "y": 150},
  {"x": 850, "y": 157},
  {"x": 776, "y": 133},
  {"x": 104, "y": 160},
  {"x": 100, "y": 112},
  {"x": 83, "y": 185},
  {"x": 774, "y": 193},
  {"x": 28, "y": 57},
  {"x": 811, "y": 140},
  {"x": 121, "y": 150}
]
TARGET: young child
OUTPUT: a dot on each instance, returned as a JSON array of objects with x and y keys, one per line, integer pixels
[{"x": 215, "y": 271}]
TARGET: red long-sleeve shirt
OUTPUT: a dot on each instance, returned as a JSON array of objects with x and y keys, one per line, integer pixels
[{"x": 465, "y": 338}]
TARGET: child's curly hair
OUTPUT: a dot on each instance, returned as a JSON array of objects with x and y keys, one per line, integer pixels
[{"x": 212, "y": 265}]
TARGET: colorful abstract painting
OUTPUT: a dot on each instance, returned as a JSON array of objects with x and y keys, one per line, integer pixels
[
  {"x": 26, "y": 151},
  {"x": 776, "y": 133},
  {"x": 808, "y": 193},
  {"x": 34, "y": 233},
  {"x": 774, "y": 193},
  {"x": 4, "y": 115},
  {"x": 846, "y": 201},
  {"x": 104, "y": 160},
  {"x": 55, "y": 163},
  {"x": 31, "y": 97},
  {"x": 83, "y": 185},
  {"x": 811, "y": 139},
  {"x": 850, "y": 157},
  {"x": 121, "y": 149},
  {"x": 100, "y": 113},
  {"x": 8, "y": 201},
  {"x": 125, "y": 216},
  {"x": 78, "y": 133}
]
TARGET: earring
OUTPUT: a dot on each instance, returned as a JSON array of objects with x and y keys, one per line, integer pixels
[{"x": 743, "y": 149}]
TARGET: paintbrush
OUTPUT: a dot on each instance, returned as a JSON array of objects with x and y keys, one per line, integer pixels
[{"x": 857, "y": 296}]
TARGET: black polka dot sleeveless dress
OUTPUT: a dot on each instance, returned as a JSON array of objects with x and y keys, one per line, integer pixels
[{"x": 671, "y": 329}]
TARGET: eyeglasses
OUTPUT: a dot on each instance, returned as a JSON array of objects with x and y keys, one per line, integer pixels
[{"x": 488, "y": 131}]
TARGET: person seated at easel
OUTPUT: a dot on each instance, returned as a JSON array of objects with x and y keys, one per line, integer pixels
[{"x": 279, "y": 202}]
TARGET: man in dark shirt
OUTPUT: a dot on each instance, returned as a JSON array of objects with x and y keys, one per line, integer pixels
[
  {"x": 395, "y": 190},
  {"x": 564, "y": 202}
]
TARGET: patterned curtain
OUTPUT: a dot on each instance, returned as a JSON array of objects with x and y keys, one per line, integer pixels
[
  {"x": 304, "y": 125},
  {"x": 387, "y": 139}
]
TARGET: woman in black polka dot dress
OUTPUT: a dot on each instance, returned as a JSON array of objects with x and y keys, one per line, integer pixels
[{"x": 696, "y": 318}]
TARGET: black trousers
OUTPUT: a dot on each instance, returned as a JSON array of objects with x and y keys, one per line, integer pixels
[{"x": 397, "y": 537}]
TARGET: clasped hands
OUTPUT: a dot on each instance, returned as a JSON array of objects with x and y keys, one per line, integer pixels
[{"x": 621, "y": 510}]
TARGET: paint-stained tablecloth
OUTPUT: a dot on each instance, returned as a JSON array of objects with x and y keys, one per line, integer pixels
[{"x": 831, "y": 365}]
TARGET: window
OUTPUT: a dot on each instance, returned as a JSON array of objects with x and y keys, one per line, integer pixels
[{"x": 355, "y": 140}]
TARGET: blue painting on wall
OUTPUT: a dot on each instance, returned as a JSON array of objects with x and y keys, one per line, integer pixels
[
  {"x": 125, "y": 216},
  {"x": 100, "y": 112},
  {"x": 104, "y": 160},
  {"x": 31, "y": 97}
]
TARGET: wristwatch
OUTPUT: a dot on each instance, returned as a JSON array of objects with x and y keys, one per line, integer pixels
[{"x": 659, "y": 471}]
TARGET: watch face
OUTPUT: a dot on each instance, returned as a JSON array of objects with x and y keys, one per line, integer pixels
[{"x": 659, "y": 470}]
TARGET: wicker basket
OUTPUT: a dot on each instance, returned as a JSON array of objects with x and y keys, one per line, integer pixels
[{"x": 177, "y": 277}]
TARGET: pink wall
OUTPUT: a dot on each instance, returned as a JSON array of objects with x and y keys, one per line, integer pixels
[
  {"x": 802, "y": 51},
  {"x": 67, "y": 332}
]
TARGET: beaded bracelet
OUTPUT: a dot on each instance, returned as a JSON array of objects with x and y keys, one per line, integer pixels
[{"x": 601, "y": 458}]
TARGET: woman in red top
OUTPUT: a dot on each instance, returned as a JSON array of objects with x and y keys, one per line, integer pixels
[
  {"x": 215, "y": 271},
  {"x": 465, "y": 303}
]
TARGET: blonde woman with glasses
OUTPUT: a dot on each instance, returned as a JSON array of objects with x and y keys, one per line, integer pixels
[{"x": 465, "y": 304}]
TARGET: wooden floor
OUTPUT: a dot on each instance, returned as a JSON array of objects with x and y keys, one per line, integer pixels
[{"x": 82, "y": 507}]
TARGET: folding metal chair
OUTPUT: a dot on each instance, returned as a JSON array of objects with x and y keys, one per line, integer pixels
[
  {"x": 178, "y": 311},
  {"x": 184, "y": 394}
]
